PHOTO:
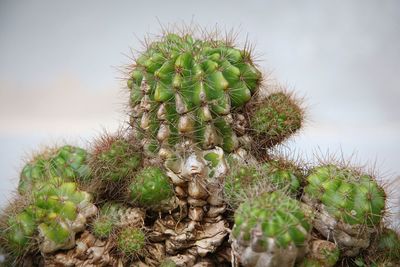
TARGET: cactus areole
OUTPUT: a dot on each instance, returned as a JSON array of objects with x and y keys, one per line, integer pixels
[{"x": 194, "y": 179}]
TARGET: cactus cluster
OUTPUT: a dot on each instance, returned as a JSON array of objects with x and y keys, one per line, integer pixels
[
  {"x": 68, "y": 162},
  {"x": 194, "y": 179}
]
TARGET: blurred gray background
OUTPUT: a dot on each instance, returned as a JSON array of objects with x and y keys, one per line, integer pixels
[{"x": 59, "y": 80}]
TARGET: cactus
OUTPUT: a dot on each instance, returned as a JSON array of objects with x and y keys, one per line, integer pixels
[
  {"x": 151, "y": 188},
  {"x": 389, "y": 244},
  {"x": 131, "y": 241},
  {"x": 114, "y": 158},
  {"x": 247, "y": 180},
  {"x": 351, "y": 205},
  {"x": 276, "y": 118},
  {"x": 270, "y": 230},
  {"x": 197, "y": 165},
  {"x": 186, "y": 87},
  {"x": 114, "y": 216},
  {"x": 57, "y": 211},
  {"x": 68, "y": 162}
]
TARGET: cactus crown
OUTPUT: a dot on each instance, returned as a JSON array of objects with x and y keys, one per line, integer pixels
[
  {"x": 67, "y": 162},
  {"x": 347, "y": 195},
  {"x": 186, "y": 87},
  {"x": 276, "y": 216}
]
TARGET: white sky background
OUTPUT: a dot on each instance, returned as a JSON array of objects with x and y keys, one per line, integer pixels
[{"x": 58, "y": 81}]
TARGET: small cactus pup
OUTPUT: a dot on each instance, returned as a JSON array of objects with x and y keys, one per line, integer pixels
[
  {"x": 114, "y": 160},
  {"x": 322, "y": 253},
  {"x": 385, "y": 247},
  {"x": 270, "y": 230},
  {"x": 131, "y": 242},
  {"x": 247, "y": 180},
  {"x": 350, "y": 206},
  {"x": 68, "y": 162},
  {"x": 151, "y": 188},
  {"x": 17, "y": 228},
  {"x": 274, "y": 118},
  {"x": 61, "y": 210},
  {"x": 56, "y": 212},
  {"x": 113, "y": 216}
]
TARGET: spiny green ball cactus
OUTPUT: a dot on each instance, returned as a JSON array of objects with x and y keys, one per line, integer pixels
[
  {"x": 131, "y": 241},
  {"x": 283, "y": 174},
  {"x": 114, "y": 159},
  {"x": 60, "y": 210},
  {"x": 151, "y": 188},
  {"x": 57, "y": 211},
  {"x": 276, "y": 118},
  {"x": 67, "y": 162},
  {"x": 104, "y": 224},
  {"x": 388, "y": 245},
  {"x": 182, "y": 86},
  {"x": 246, "y": 180},
  {"x": 102, "y": 227},
  {"x": 20, "y": 229},
  {"x": 347, "y": 195},
  {"x": 273, "y": 224}
]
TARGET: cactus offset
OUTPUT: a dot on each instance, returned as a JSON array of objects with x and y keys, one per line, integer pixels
[
  {"x": 270, "y": 230},
  {"x": 351, "y": 205},
  {"x": 67, "y": 162}
]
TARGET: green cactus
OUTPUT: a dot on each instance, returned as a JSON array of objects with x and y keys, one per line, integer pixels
[
  {"x": 114, "y": 159},
  {"x": 245, "y": 180},
  {"x": 182, "y": 86},
  {"x": 270, "y": 230},
  {"x": 388, "y": 245},
  {"x": 278, "y": 216},
  {"x": 348, "y": 196},
  {"x": 20, "y": 230},
  {"x": 104, "y": 224},
  {"x": 57, "y": 211},
  {"x": 151, "y": 188},
  {"x": 276, "y": 118},
  {"x": 131, "y": 241},
  {"x": 68, "y": 162}
]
